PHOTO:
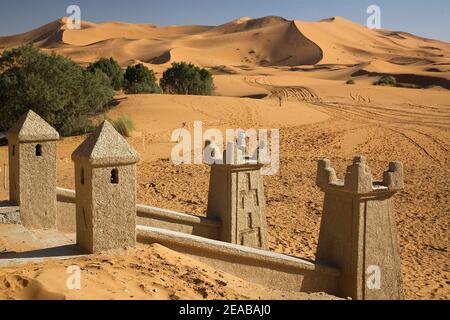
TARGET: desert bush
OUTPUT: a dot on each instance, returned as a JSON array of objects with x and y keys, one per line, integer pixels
[
  {"x": 77, "y": 126},
  {"x": 351, "y": 81},
  {"x": 186, "y": 78},
  {"x": 123, "y": 125},
  {"x": 111, "y": 68},
  {"x": 140, "y": 79},
  {"x": 386, "y": 81},
  {"x": 53, "y": 86}
]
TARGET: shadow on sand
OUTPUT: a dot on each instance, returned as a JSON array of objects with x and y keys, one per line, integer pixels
[{"x": 62, "y": 251}]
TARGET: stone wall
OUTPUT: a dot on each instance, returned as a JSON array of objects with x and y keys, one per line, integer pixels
[
  {"x": 9, "y": 213},
  {"x": 38, "y": 210},
  {"x": 357, "y": 256},
  {"x": 145, "y": 215},
  {"x": 236, "y": 197},
  {"x": 32, "y": 171},
  {"x": 274, "y": 270},
  {"x": 358, "y": 233},
  {"x": 176, "y": 221},
  {"x": 66, "y": 210}
]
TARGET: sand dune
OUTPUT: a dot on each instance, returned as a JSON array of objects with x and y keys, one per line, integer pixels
[
  {"x": 256, "y": 62},
  {"x": 147, "y": 272},
  {"x": 254, "y": 43}
]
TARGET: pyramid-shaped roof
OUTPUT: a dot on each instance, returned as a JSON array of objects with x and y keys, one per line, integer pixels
[
  {"x": 106, "y": 147},
  {"x": 31, "y": 128}
]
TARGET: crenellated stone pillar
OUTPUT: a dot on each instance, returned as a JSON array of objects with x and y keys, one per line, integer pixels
[
  {"x": 236, "y": 197},
  {"x": 358, "y": 233}
]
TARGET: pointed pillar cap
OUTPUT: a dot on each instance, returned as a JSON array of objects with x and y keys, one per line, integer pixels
[
  {"x": 32, "y": 128},
  {"x": 106, "y": 147}
]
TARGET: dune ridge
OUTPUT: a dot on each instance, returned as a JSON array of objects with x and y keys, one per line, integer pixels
[
  {"x": 269, "y": 73},
  {"x": 264, "y": 42}
]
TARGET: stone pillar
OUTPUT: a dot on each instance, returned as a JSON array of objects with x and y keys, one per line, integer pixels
[
  {"x": 32, "y": 170},
  {"x": 236, "y": 197},
  {"x": 105, "y": 173},
  {"x": 358, "y": 231}
]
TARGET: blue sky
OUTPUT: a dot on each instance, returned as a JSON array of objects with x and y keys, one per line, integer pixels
[{"x": 429, "y": 18}]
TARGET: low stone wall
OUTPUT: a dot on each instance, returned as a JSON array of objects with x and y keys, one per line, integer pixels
[
  {"x": 146, "y": 216},
  {"x": 276, "y": 271},
  {"x": 179, "y": 222},
  {"x": 66, "y": 210},
  {"x": 9, "y": 213}
]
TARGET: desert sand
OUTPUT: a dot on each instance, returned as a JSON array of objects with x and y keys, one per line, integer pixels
[
  {"x": 256, "y": 62},
  {"x": 148, "y": 272}
]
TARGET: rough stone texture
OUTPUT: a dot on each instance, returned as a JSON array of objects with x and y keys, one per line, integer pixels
[
  {"x": 32, "y": 177},
  {"x": 176, "y": 221},
  {"x": 273, "y": 270},
  {"x": 393, "y": 178},
  {"x": 14, "y": 169},
  {"x": 358, "y": 229},
  {"x": 358, "y": 178},
  {"x": 236, "y": 197},
  {"x": 10, "y": 218},
  {"x": 105, "y": 146},
  {"x": 325, "y": 173},
  {"x": 66, "y": 210},
  {"x": 9, "y": 213},
  {"x": 32, "y": 128},
  {"x": 145, "y": 216},
  {"x": 106, "y": 211}
]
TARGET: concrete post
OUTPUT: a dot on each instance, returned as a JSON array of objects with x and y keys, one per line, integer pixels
[
  {"x": 105, "y": 173},
  {"x": 32, "y": 170},
  {"x": 236, "y": 197},
  {"x": 358, "y": 231}
]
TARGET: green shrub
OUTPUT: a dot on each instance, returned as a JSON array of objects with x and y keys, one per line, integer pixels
[
  {"x": 140, "y": 79},
  {"x": 186, "y": 78},
  {"x": 53, "y": 86},
  {"x": 386, "y": 81},
  {"x": 111, "y": 68},
  {"x": 123, "y": 125},
  {"x": 77, "y": 126},
  {"x": 136, "y": 88},
  {"x": 351, "y": 81}
]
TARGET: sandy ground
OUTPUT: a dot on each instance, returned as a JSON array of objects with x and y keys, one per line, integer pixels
[
  {"x": 255, "y": 63},
  {"x": 416, "y": 134},
  {"x": 148, "y": 272},
  {"x": 145, "y": 273}
]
